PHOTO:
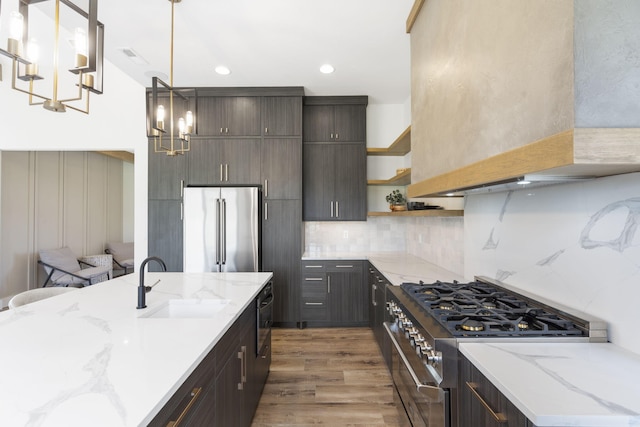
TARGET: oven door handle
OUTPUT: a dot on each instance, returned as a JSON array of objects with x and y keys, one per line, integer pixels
[{"x": 419, "y": 385}]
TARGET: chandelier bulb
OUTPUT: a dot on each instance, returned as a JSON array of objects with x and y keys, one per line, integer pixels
[
  {"x": 16, "y": 25},
  {"x": 32, "y": 53},
  {"x": 189, "y": 122},
  {"x": 181, "y": 127},
  {"x": 160, "y": 117},
  {"x": 80, "y": 44}
]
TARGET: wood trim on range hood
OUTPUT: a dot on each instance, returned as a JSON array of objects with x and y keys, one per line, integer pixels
[{"x": 569, "y": 155}]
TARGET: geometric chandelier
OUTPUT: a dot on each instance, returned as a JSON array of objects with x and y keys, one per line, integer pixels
[
  {"x": 171, "y": 127},
  {"x": 85, "y": 61}
]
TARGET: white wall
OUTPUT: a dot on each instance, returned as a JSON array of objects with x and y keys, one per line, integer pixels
[{"x": 577, "y": 244}]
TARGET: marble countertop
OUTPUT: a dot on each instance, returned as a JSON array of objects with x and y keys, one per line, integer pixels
[
  {"x": 88, "y": 357},
  {"x": 564, "y": 384},
  {"x": 397, "y": 267}
]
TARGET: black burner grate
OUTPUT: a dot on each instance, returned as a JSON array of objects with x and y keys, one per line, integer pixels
[{"x": 479, "y": 309}]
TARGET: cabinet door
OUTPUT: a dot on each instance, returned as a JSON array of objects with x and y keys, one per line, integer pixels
[
  {"x": 205, "y": 163},
  {"x": 350, "y": 188},
  {"x": 318, "y": 123},
  {"x": 281, "y": 168},
  {"x": 210, "y": 116},
  {"x": 241, "y": 161},
  {"x": 281, "y": 252},
  {"x": 229, "y": 399},
  {"x": 228, "y": 116},
  {"x": 166, "y": 175},
  {"x": 347, "y": 293},
  {"x": 318, "y": 182},
  {"x": 350, "y": 123},
  {"x": 282, "y": 116},
  {"x": 165, "y": 233},
  {"x": 241, "y": 115}
]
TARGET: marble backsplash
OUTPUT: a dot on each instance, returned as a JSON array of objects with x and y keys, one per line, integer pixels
[{"x": 578, "y": 244}]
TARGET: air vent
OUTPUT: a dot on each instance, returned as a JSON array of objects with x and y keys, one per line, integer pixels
[{"x": 133, "y": 56}]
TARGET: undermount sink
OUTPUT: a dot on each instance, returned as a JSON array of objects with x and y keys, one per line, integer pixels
[{"x": 187, "y": 309}]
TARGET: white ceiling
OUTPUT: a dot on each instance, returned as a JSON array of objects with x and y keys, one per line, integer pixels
[{"x": 267, "y": 43}]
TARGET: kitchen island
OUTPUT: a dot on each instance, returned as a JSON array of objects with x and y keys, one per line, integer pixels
[{"x": 89, "y": 357}]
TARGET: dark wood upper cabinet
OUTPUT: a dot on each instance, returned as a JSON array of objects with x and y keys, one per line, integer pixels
[
  {"x": 229, "y": 116},
  {"x": 335, "y": 182},
  {"x": 282, "y": 116},
  {"x": 224, "y": 162},
  {"x": 335, "y": 119}
]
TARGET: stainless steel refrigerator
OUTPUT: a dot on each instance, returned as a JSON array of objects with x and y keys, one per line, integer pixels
[{"x": 222, "y": 229}]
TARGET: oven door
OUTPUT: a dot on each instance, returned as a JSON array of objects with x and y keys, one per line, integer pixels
[{"x": 424, "y": 402}]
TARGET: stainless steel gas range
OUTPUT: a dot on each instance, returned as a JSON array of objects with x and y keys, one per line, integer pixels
[{"x": 426, "y": 322}]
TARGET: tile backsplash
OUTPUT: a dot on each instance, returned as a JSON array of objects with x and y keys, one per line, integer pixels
[{"x": 438, "y": 240}]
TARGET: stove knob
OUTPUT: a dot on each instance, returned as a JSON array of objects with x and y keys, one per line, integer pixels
[
  {"x": 410, "y": 333},
  {"x": 416, "y": 339},
  {"x": 434, "y": 358},
  {"x": 423, "y": 348}
]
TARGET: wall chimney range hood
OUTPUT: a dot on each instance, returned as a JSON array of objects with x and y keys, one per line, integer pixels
[{"x": 575, "y": 155}]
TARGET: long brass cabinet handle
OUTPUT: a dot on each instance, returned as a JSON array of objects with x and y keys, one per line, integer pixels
[
  {"x": 242, "y": 355},
  {"x": 194, "y": 397},
  {"x": 498, "y": 416}
]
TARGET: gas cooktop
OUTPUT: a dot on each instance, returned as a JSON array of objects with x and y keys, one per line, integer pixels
[{"x": 480, "y": 309}]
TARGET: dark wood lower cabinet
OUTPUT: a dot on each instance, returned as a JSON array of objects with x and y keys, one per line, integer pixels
[
  {"x": 481, "y": 404},
  {"x": 377, "y": 311},
  {"x": 224, "y": 390},
  {"x": 334, "y": 293}
]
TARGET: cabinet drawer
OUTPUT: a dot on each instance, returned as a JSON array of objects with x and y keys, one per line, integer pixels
[
  {"x": 312, "y": 266},
  {"x": 314, "y": 291},
  {"x": 318, "y": 278},
  {"x": 346, "y": 266},
  {"x": 313, "y": 310}
]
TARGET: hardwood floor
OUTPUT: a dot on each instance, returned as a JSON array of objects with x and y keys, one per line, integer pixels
[{"x": 330, "y": 376}]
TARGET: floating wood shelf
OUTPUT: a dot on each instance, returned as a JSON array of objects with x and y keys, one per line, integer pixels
[
  {"x": 425, "y": 212},
  {"x": 400, "y": 147},
  {"x": 403, "y": 178}
]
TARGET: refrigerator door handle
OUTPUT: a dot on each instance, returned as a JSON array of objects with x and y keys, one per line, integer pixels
[
  {"x": 223, "y": 231},
  {"x": 218, "y": 228}
]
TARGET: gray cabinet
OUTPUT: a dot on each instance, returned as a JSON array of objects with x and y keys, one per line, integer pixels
[
  {"x": 235, "y": 401},
  {"x": 281, "y": 168},
  {"x": 481, "y": 404},
  {"x": 377, "y": 310},
  {"x": 165, "y": 233},
  {"x": 229, "y": 115},
  {"x": 166, "y": 175},
  {"x": 334, "y": 293},
  {"x": 224, "y": 161},
  {"x": 335, "y": 119},
  {"x": 281, "y": 252},
  {"x": 335, "y": 182},
  {"x": 334, "y": 159},
  {"x": 282, "y": 116}
]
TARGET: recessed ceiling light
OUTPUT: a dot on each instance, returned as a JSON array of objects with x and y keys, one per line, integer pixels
[
  {"x": 327, "y": 69},
  {"x": 222, "y": 70}
]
